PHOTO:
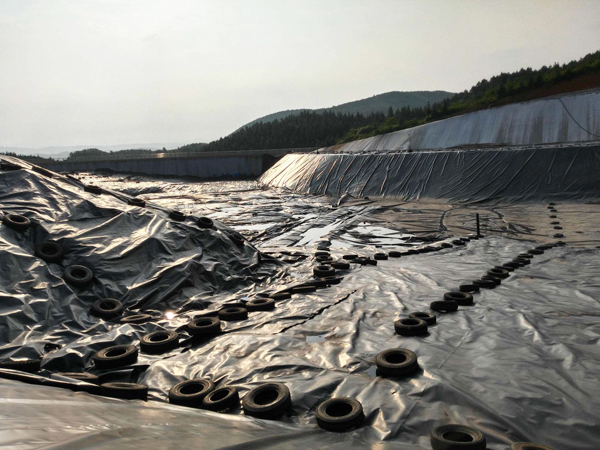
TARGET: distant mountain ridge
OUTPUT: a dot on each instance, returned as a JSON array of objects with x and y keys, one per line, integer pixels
[{"x": 377, "y": 103}]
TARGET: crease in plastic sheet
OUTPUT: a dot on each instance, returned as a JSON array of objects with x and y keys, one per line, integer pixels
[
  {"x": 520, "y": 365},
  {"x": 460, "y": 176}
]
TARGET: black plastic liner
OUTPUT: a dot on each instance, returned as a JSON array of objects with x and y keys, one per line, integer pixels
[
  {"x": 521, "y": 364},
  {"x": 570, "y": 172}
]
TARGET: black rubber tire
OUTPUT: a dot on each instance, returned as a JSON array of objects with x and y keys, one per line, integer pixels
[
  {"x": 485, "y": 284},
  {"x": 558, "y": 227},
  {"x": 16, "y": 221},
  {"x": 513, "y": 265},
  {"x": 551, "y": 203},
  {"x": 456, "y": 437},
  {"x": 333, "y": 280},
  {"x": 49, "y": 251},
  {"x": 260, "y": 304},
  {"x": 396, "y": 362},
  {"x": 304, "y": 289},
  {"x": 500, "y": 273},
  {"x": 465, "y": 239},
  {"x": 323, "y": 258},
  {"x": 319, "y": 282},
  {"x": 524, "y": 261},
  {"x": 428, "y": 317},
  {"x": 365, "y": 261},
  {"x": 27, "y": 365},
  {"x": 412, "y": 251},
  {"x": 79, "y": 276},
  {"x": 497, "y": 281},
  {"x": 5, "y": 165},
  {"x": 410, "y": 327},
  {"x": 237, "y": 239},
  {"x": 324, "y": 271},
  {"x": 205, "y": 222},
  {"x": 137, "y": 318},
  {"x": 395, "y": 254},
  {"x": 267, "y": 401},
  {"x": 177, "y": 216},
  {"x": 380, "y": 256},
  {"x": 81, "y": 376},
  {"x": 446, "y": 245},
  {"x": 528, "y": 446},
  {"x": 116, "y": 356},
  {"x": 340, "y": 265},
  {"x": 559, "y": 235},
  {"x": 220, "y": 399},
  {"x": 553, "y": 216},
  {"x": 191, "y": 392},
  {"x": 555, "y": 222},
  {"x": 525, "y": 255},
  {"x": 443, "y": 306},
  {"x": 107, "y": 308},
  {"x": 507, "y": 268},
  {"x": 126, "y": 391},
  {"x": 204, "y": 326},
  {"x": 470, "y": 288},
  {"x": 349, "y": 257},
  {"x": 535, "y": 251},
  {"x": 544, "y": 247},
  {"x": 92, "y": 189},
  {"x": 340, "y": 414},
  {"x": 136, "y": 202},
  {"x": 322, "y": 253},
  {"x": 160, "y": 341},
  {"x": 278, "y": 296},
  {"x": 462, "y": 298},
  {"x": 457, "y": 242},
  {"x": 231, "y": 313}
]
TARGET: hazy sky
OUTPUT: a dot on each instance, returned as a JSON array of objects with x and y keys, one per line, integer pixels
[{"x": 139, "y": 71}]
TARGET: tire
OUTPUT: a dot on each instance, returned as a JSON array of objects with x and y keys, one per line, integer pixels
[
  {"x": 558, "y": 227},
  {"x": 443, "y": 306},
  {"x": 535, "y": 251},
  {"x": 205, "y": 222},
  {"x": 427, "y": 317},
  {"x": 319, "y": 283},
  {"x": 333, "y": 280},
  {"x": 92, "y": 189},
  {"x": 497, "y": 281},
  {"x": 395, "y": 254},
  {"x": 261, "y": 304},
  {"x": 465, "y": 239},
  {"x": 500, "y": 273},
  {"x": 136, "y": 202},
  {"x": 513, "y": 265},
  {"x": 203, "y": 326},
  {"x": 28, "y": 365},
  {"x": 232, "y": 313},
  {"x": 410, "y": 327},
  {"x": 349, "y": 257},
  {"x": 528, "y": 446},
  {"x": 485, "y": 284},
  {"x": 323, "y": 258},
  {"x": 462, "y": 298},
  {"x": 177, "y": 216},
  {"x": 458, "y": 242},
  {"x": 322, "y": 253},
  {"x": 340, "y": 265},
  {"x": 221, "y": 399},
  {"x": 380, "y": 256},
  {"x": 116, "y": 356},
  {"x": 507, "y": 268},
  {"x": 340, "y": 414},
  {"x": 278, "y": 296},
  {"x": 470, "y": 288},
  {"x": 396, "y": 362},
  {"x": 364, "y": 261},
  {"x": 551, "y": 203},
  {"x": 559, "y": 235},
  {"x": 49, "y": 251},
  {"x": 5, "y": 165},
  {"x": 79, "y": 276},
  {"x": 137, "y": 318},
  {"x": 159, "y": 341},
  {"x": 16, "y": 221},
  {"x": 126, "y": 391},
  {"x": 525, "y": 261},
  {"x": 304, "y": 289},
  {"x": 107, "y": 308},
  {"x": 191, "y": 392},
  {"x": 456, "y": 437},
  {"x": 81, "y": 376},
  {"x": 267, "y": 401},
  {"x": 525, "y": 255},
  {"x": 555, "y": 222},
  {"x": 446, "y": 245},
  {"x": 324, "y": 271},
  {"x": 412, "y": 252}
]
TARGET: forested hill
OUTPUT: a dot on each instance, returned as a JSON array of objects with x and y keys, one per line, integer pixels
[
  {"x": 366, "y": 106},
  {"x": 315, "y": 129}
]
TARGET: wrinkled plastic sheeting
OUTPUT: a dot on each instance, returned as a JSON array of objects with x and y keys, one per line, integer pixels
[
  {"x": 453, "y": 176},
  {"x": 567, "y": 118},
  {"x": 520, "y": 365}
]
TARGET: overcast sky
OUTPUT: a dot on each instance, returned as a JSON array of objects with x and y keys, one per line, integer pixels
[{"x": 140, "y": 71}]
